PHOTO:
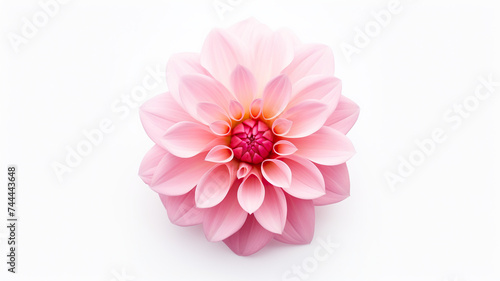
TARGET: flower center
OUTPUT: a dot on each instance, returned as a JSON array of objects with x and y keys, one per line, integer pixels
[{"x": 252, "y": 141}]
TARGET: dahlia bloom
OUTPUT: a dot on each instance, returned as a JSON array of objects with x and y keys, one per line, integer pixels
[{"x": 250, "y": 137}]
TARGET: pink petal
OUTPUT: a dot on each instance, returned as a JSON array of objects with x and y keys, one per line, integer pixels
[
  {"x": 220, "y": 54},
  {"x": 244, "y": 85},
  {"x": 337, "y": 184},
  {"x": 220, "y": 128},
  {"x": 327, "y": 146},
  {"x": 226, "y": 218},
  {"x": 209, "y": 113},
  {"x": 299, "y": 227},
  {"x": 276, "y": 172},
  {"x": 256, "y": 108},
  {"x": 284, "y": 148},
  {"x": 182, "y": 210},
  {"x": 276, "y": 96},
  {"x": 160, "y": 113},
  {"x": 180, "y": 65},
  {"x": 251, "y": 193},
  {"x": 236, "y": 111},
  {"x": 187, "y": 139},
  {"x": 195, "y": 89},
  {"x": 220, "y": 154},
  {"x": 281, "y": 126},
  {"x": 249, "y": 239},
  {"x": 176, "y": 176},
  {"x": 243, "y": 170},
  {"x": 249, "y": 32},
  {"x": 344, "y": 116},
  {"x": 150, "y": 163},
  {"x": 289, "y": 36},
  {"x": 310, "y": 59},
  {"x": 213, "y": 186},
  {"x": 324, "y": 88},
  {"x": 307, "y": 117},
  {"x": 270, "y": 56},
  {"x": 307, "y": 180},
  {"x": 272, "y": 214}
]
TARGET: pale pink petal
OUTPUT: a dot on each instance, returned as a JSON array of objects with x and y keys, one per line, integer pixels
[
  {"x": 226, "y": 218},
  {"x": 270, "y": 56},
  {"x": 176, "y": 176},
  {"x": 195, "y": 89},
  {"x": 236, "y": 111},
  {"x": 272, "y": 214},
  {"x": 209, "y": 113},
  {"x": 213, "y": 186},
  {"x": 187, "y": 139},
  {"x": 307, "y": 117},
  {"x": 327, "y": 146},
  {"x": 244, "y": 85},
  {"x": 256, "y": 108},
  {"x": 289, "y": 36},
  {"x": 220, "y": 54},
  {"x": 284, "y": 148},
  {"x": 299, "y": 227},
  {"x": 220, "y": 154},
  {"x": 276, "y": 172},
  {"x": 243, "y": 170},
  {"x": 160, "y": 113},
  {"x": 276, "y": 96},
  {"x": 150, "y": 163},
  {"x": 182, "y": 210},
  {"x": 249, "y": 239},
  {"x": 310, "y": 59},
  {"x": 324, "y": 88},
  {"x": 307, "y": 180},
  {"x": 251, "y": 193},
  {"x": 179, "y": 65},
  {"x": 337, "y": 184},
  {"x": 220, "y": 128},
  {"x": 281, "y": 126},
  {"x": 344, "y": 116},
  {"x": 249, "y": 32}
]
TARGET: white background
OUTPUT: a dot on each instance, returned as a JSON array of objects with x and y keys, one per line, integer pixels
[{"x": 442, "y": 223}]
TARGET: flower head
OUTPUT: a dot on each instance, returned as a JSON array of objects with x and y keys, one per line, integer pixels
[{"x": 250, "y": 137}]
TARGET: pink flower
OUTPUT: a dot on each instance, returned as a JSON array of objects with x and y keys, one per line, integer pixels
[{"x": 250, "y": 137}]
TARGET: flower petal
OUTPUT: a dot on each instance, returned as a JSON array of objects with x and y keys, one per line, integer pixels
[
  {"x": 256, "y": 108},
  {"x": 176, "y": 176},
  {"x": 276, "y": 172},
  {"x": 272, "y": 214},
  {"x": 276, "y": 96},
  {"x": 324, "y": 88},
  {"x": 310, "y": 59},
  {"x": 220, "y": 54},
  {"x": 150, "y": 163},
  {"x": 182, "y": 210},
  {"x": 344, "y": 116},
  {"x": 236, "y": 111},
  {"x": 220, "y": 128},
  {"x": 251, "y": 193},
  {"x": 179, "y": 65},
  {"x": 284, "y": 148},
  {"x": 249, "y": 239},
  {"x": 226, "y": 218},
  {"x": 243, "y": 170},
  {"x": 327, "y": 146},
  {"x": 281, "y": 126},
  {"x": 209, "y": 113},
  {"x": 220, "y": 154},
  {"x": 307, "y": 117},
  {"x": 213, "y": 186},
  {"x": 307, "y": 180},
  {"x": 337, "y": 184},
  {"x": 195, "y": 89},
  {"x": 299, "y": 227},
  {"x": 187, "y": 139},
  {"x": 244, "y": 85},
  {"x": 249, "y": 31},
  {"x": 160, "y": 113}
]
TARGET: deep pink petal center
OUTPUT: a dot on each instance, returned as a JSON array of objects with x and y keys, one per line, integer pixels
[{"x": 252, "y": 141}]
